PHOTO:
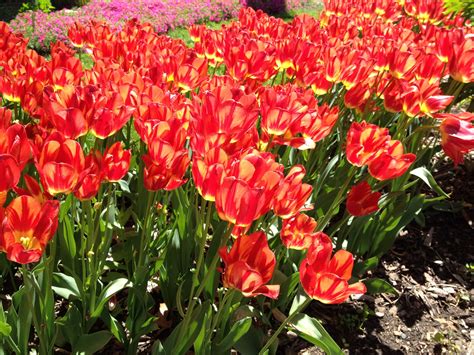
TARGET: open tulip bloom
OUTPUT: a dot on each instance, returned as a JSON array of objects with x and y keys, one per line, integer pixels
[{"x": 182, "y": 197}]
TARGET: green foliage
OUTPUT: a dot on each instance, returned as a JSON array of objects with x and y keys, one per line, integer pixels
[
  {"x": 33, "y": 5},
  {"x": 462, "y": 7}
]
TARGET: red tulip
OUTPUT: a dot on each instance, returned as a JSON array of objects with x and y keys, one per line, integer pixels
[
  {"x": 361, "y": 201},
  {"x": 26, "y": 228},
  {"x": 462, "y": 64},
  {"x": 167, "y": 159},
  {"x": 392, "y": 162},
  {"x": 457, "y": 136},
  {"x": 246, "y": 192},
  {"x": 209, "y": 171},
  {"x": 249, "y": 266},
  {"x": 115, "y": 162},
  {"x": 298, "y": 233},
  {"x": 5, "y": 118},
  {"x": 364, "y": 142},
  {"x": 292, "y": 194},
  {"x": 60, "y": 164},
  {"x": 326, "y": 279},
  {"x": 91, "y": 178}
]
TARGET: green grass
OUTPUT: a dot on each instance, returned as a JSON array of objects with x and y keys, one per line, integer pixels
[
  {"x": 182, "y": 32},
  {"x": 313, "y": 8}
]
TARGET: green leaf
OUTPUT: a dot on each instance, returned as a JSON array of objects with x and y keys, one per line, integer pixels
[
  {"x": 313, "y": 331},
  {"x": 5, "y": 328},
  {"x": 91, "y": 343},
  {"x": 111, "y": 289},
  {"x": 70, "y": 325},
  {"x": 124, "y": 186},
  {"x": 379, "y": 286},
  {"x": 114, "y": 326},
  {"x": 287, "y": 290},
  {"x": 157, "y": 348},
  {"x": 300, "y": 298},
  {"x": 173, "y": 344},
  {"x": 67, "y": 234},
  {"x": 425, "y": 175},
  {"x": 362, "y": 267},
  {"x": 65, "y": 286},
  {"x": 65, "y": 207},
  {"x": 251, "y": 342},
  {"x": 238, "y": 330}
]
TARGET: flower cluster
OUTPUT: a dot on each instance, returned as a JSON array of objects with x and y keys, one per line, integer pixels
[
  {"x": 45, "y": 28},
  {"x": 236, "y": 130}
]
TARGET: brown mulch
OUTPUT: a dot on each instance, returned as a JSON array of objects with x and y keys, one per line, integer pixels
[{"x": 432, "y": 268}]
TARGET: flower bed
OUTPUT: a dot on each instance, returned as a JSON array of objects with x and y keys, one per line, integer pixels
[
  {"x": 192, "y": 197},
  {"x": 162, "y": 14}
]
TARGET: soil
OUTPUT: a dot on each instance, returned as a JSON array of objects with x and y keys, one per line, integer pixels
[{"x": 432, "y": 268}]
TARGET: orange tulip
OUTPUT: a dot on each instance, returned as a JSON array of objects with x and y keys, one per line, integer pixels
[
  {"x": 208, "y": 172},
  {"x": 462, "y": 64},
  {"x": 224, "y": 117},
  {"x": 392, "y": 162},
  {"x": 249, "y": 266},
  {"x": 326, "y": 279},
  {"x": 280, "y": 106},
  {"x": 298, "y": 232},
  {"x": 115, "y": 162},
  {"x": 361, "y": 201},
  {"x": 246, "y": 192},
  {"x": 60, "y": 164},
  {"x": 457, "y": 136},
  {"x": 27, "y": 226},
  {"x": 167, "y": 159},
  {"x": 364, "y": 142},
  {"x": 91, "y": 178},
  {"x": 5, "y": 118},
  {"x": 292, "y": 193}
]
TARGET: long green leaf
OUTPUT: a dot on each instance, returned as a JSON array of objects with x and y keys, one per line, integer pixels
[
  {"x": 313, "y": 331},
  {"x": 379, "y": 286},
  {"x": 91, "y": 343},
  {"x": 238, "y": 330},
  {"x": 111, "y": 289},
  {"x": 425, "y": 175},
  {"x": 65, "y": 286}
]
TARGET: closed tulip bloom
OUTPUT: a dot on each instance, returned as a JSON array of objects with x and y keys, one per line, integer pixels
[
  {"x": 246, "y": 192},
  {"x": 392, "y": 162},
  {"x": 364, "y": 142},
  {"x": 116, "y": 162},
  {"x": 9, "y": 173},
  {"x": 292, "y": 194},
  {"x": 280, "y": 107},
  {"x": 89, "y": 185},
  {"x": 249, "y": 266},
  {"x": 167, "y": 159},
  {"x": 14, "y": 141},
  {"x": 298, "y": 233},
  {"x": 326, "y": 279},
  {"x": 60, "y": 164},
  {"x": 457, "y": 137},
  {"x": 361, "y": 201},
  {"x": 27, "y": 226},
  {"x": 462, "y": 64},
  {"x": 208, "y": 172}
]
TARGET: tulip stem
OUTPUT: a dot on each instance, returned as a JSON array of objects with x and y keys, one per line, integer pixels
[
  {"x": 208, "y": 274},
  {"x": 29, "y": 283},
  {"x": 283, "y": 325},
  {"x": 327, "y": 217},
  {"x": 206, "y": 211},
  {"x": 222, "y": 305}
]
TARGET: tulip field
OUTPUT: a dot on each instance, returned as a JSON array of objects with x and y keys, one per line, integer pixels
[{"x": 173, "y": 199}]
